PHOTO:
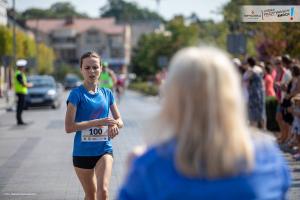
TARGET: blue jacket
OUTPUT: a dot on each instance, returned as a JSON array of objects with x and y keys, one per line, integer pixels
[{"x": 153, "y": 176}]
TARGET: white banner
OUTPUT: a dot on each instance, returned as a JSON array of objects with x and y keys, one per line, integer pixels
[{"x": 267, "y": 13}]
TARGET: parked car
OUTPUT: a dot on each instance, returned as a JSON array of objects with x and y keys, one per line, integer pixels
[
  {"x": 45, "y": 92},
  {"x": 71, "y": 81}
]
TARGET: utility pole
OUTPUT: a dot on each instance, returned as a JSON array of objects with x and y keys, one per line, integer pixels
[
  {"x": 13, "y": 63},
  {"x": 37, "y": 45},
  {"x": 14, "y": 34}
]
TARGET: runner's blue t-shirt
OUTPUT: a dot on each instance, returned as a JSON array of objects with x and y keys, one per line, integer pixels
[{"x": 89, "y": 107}]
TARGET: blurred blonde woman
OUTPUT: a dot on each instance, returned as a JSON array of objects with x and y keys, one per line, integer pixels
[{"x": 210, "y": 152}]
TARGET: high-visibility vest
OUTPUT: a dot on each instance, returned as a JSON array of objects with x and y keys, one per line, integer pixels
[
  {"x": 19, "y": 88},
  {"x": 106, "y": 81}
]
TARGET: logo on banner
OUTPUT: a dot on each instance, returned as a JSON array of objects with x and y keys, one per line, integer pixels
[{"x": 270, "y": 14}]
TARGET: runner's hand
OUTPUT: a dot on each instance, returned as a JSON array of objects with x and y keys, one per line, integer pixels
[
  {"x": 106, "y": 122},
  {"x": 113, "y": 131}
]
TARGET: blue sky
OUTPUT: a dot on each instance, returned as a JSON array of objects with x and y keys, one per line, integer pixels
[{"x": 168, "y": 8}]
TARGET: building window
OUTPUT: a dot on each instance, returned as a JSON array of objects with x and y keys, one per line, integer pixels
[
  {"x": 64, "y": 40},
  {"x": 116, "y": 41},
  {"x": 92, "y": 36},
  {"x": 116, "y": 53},
  {"x": 68, "y": 54}
]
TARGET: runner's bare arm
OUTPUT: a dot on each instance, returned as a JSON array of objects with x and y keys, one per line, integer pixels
[
  {"x": 72, "y": 126},
  {"x": 113, "y": 76},
  {"x": 116, "y": 115},
  {"x": 114, "y": 130}
]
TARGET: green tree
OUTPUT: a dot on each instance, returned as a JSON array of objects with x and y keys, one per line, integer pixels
[
  {"x": 127, "y": 11},
  {"x": 291, "y": 31},
  {"x": 56, "y": 10},
  {"x": 29, "y": 47},
  {"x": 25, "y": 45},
  {"x": 62, "y": 69},
  {"x": 33, "y": 13},
  {"x": 232, "y": 21},
  {"x": 149, "y": 48},
  {"x": 26, "y": 49},
  {"x": 20, "y": 38},
  {"x": 270, "y": 40},
  {"x": 64, "y": 9},
  {"x": 6, "y": 47},
  {"x": 265, "y": 39},
  {"x": 45, "y": 59},
  {"x": 232, "y": 10},
  {"x": 153, "y": 46},
  {"x": 182, "y": 35}
]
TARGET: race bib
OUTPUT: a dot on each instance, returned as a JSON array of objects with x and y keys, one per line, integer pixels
[{"x": 94, "y": 134}]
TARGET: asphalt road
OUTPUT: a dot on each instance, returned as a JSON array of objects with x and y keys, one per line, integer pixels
[{"x": 36, "y": 162}]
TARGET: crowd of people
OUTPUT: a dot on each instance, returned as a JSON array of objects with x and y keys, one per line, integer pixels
[
  {"x": 212, "y": 146},
  {"x": 279, "y": 77},
  {"x": 209, "y": 150}
]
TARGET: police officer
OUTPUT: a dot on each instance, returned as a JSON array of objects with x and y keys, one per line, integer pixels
[{"x": 21, "y": 85}]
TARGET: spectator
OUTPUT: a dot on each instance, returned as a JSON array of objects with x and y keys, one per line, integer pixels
[
  {"x": 211, "y": 153},
  {"x": 283, "y": 77},
  {"x": 296, "y": 123},
  {"x": 256, "y": 91},
  {"x": 269, "y": 81},
  {"x": 238, "y": 64},
  {"x": 287, "y": 61},
  {"x": 293, "y": 89}
]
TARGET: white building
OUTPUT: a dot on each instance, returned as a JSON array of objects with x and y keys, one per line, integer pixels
[
  {"x": 72, "y": 37},
  {"x": 140, "y": 28}
]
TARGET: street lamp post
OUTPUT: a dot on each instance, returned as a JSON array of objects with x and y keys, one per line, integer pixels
[{"x": 13, "y": 63}]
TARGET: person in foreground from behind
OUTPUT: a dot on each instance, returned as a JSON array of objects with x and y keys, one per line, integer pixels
[
  {"x": 211, "y": 153},
  {"x": 87, "y": 114}
]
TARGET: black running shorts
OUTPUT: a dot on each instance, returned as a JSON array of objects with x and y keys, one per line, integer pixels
[{"x": 87, "y": 162}]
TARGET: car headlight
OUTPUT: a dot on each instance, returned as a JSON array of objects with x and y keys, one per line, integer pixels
[{"x": 51, "y": 93}]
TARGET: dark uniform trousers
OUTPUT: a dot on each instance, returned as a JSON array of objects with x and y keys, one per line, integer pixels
[{"x": 20, "y": 107}]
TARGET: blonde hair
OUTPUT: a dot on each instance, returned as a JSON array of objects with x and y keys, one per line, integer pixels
[{"x": 204, "y": 110}]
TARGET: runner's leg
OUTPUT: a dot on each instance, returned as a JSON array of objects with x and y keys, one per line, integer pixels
[
  {"x": 88, "y": 182},
  {"x": 103, "y": 173}
]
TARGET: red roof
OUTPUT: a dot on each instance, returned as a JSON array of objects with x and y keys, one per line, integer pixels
[{"x": 106, "y": 25}]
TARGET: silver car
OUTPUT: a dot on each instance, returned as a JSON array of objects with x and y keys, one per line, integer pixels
[{"x": 45, "y": 92}]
